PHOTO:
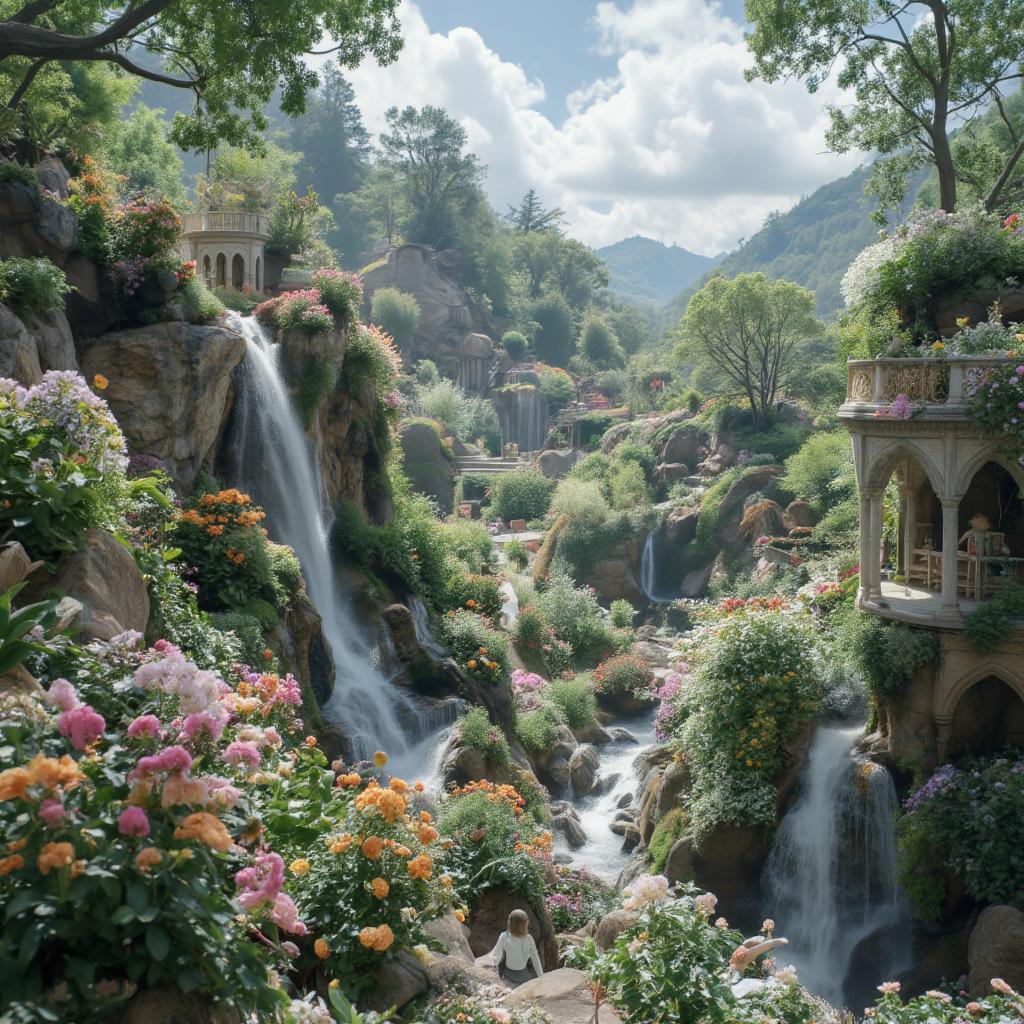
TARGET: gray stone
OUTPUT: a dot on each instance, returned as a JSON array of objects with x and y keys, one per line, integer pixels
[
  {"x": 673, "y": 783},
  {"x": 19, "y": 355},
  {"x": 996, "y": 949},
  {"x": 799, "y": 513},
  {"x": 606, "y": 783},
  {"x": 567, "y": 824},
  {"x": 671, "y": 472},
  {"x": 402, "y": 627},
  {"x": 583, "y": 769},
  {"x": 396, "y": 982},
  {"x": 696, "y": 582},
  {"x": 428, "y": 463},
  {"x": 679, "y": 864},
  {"x": 451, "y": 935},
  {"x": 489, "y": 918},
  {"x": 622, "y": 735},
  {"x": 612, "y": 925},
  {"x": 683, "y": 446},
  {"x": 555, "y": 464},
  {"x": 625, "y": 800},
  {"x": 630, "y": 838},
  {"x": 54, "y": 343},
  {"x": 565, "y": 995},
  {"x": 681, "y": 525}
]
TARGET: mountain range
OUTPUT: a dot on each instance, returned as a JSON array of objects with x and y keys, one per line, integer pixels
[{"x": 642, "y": 270}]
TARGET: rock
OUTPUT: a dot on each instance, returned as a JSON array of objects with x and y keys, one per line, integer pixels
[
  {"x": 15, "y": 565},
  {"x": 655, "y": 654},
  {"x": 565, "y": 995},
  {"x": 618, "y": 827},
  {"x": 612, "y": 925},
  {"x": 395, "y": 982},
  {"x": 681, "y": 525},
  {"x": 462, "y": 765},
  {"x": 622, "y": 735},
  {"x": 674, "y": 783},
  {"x": 53, "y": 176},
  {"x": 607, "y": 783},
  {"x": 428, "y": 463},
  {"x": 800, "y": 514},
  {"x": 561, "y": 858},
  {"x": 452, "y": 972},
  {"x": 682, "y": 446},
  {"x": 630, "y": 838},
  {"x": 763, "y": 519},
  {"x": 309, "y": 653},
  {"x": 54, "y": 343},
  {"x": 729, "y": 864},
  {"x": 567, "y": 823},
  {"x": 555, "y": 464},
  {"x": 669, "y": 473},
  {"x": 996, "y": 949},
  {"x": 583, "y": 769},
  {"x": 168, "y": 1005},
  {"x": 169, "y": 386},
  {"x": 625, "y": 800},
  {"x": 19, "y": 355},
  {"x": 450, "y": 934},
  {"x": 489, "y": 918},
  {"x": 730, "y": 511},
  {"x": 679, "y": 864},
  {"x": 696, "y": 582},
  {"x": 402, "y": 626},
  {"x": 615, "y": 575},
  {"x": 103, "y": 577},
  {"x": 594, "y": 733}
]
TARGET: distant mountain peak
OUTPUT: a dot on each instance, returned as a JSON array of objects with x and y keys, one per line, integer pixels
[{"x": 642, "y": 269}]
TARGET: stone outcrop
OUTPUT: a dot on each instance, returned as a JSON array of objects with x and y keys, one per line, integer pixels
[
  {"x": 170, "y": 389},
  {"x": 556, "y": 463},
  {"x": 451, "y": 935},
  {"x": 730, "y": 511},
  {"x": 612, "y": 925},
  {"x": 615, "y": 576},
  {"x": 583, "y": 767},
  {"x": 307, "y": 653},
  {"x": 19, "y": 354},
  {"x": 428, "y": 463},
  {"x": 396, "y": 982},
  {"x": 566, "y": 995},
  {"x": 996, "y": 949}
]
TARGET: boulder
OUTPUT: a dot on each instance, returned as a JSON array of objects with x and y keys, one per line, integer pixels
[
  {"x": 630, "y": 838},
  {"x": 620, "y": 734},
  {"x": 679, "y": 863},
  {"x": 730, "y": 511},
  {"x": 681, "y": 525},
  {"x": 462, "y": 765},
  {"x": 583, "y": 769},
  {"x": 624, "y": 801},
  {"x": 54, "y": 343},
  {"x": 696, "y": 582},
  {"x": 168, "y": 1005},
  {"x": 565, "y": 995},
  {"x": 489, "y": 918},
  {"x": 566, "y": 822},
  {"x": 669, "y": 473},
  {"x": 682, "y": 446},
  {"x": 309, "y": 653},
  {"x": 53, "y": 176},
  {"x": 612, "y": 925},
  {"x": 614, "y": 576},
  {"x": 103, "y": 578},
  {"x": 19, "y": 355},
  {"x": 996, "y": 949},
  {"x": 402, "y": 627},
  {"x": 554, "y": 464},
  {"x": 451, "y": 935},
  {"x": 763, "y": 519},
  {"x": 395, "y": 982},
  {"x": 800, "y": 514},
  {"x": 169, "y": 389},
  {"x": 594, "y": 733},
  {"x": 428, "y": 463},
  {"x": 34, "y": 224},
  {"x": 674, "y": 783}
]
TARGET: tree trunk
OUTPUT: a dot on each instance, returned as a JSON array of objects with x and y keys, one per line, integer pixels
[{"x": 947, "y": 172}]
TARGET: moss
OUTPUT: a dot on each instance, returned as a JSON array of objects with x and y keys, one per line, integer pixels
[
  {"x": 10, "y": 171},
  {"x": 317, "y": 384},
  {"x": 664, "y": 837}
]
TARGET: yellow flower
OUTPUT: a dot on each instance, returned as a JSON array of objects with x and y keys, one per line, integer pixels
[
  {"x": 99, "y": 382},
  {"x": 471, "y": 663},
  {"x": 322, "y": 950},
  {"x": 299, "y": 867},
  {"x": 962, "y": 321},
  {"x": 380, "y": 759},
  {"x": 333, "y": 983},
  {"x": 938, "y": 346},
  {"x": 460, "y": 916}
]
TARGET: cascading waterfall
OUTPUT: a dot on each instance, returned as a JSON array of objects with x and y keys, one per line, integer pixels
[
  {"x": 274, "y": 463},
  {"x": 831, "y": 879},
  {"x": 647, "y": 573}
]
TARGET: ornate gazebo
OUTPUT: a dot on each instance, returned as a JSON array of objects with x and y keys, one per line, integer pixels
[{"x": 229, "y": 248}]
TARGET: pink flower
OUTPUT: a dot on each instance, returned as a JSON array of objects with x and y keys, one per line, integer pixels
[
  {"x": 170, "y": 759},
  {"x": 132, "y": 821},
  {"x": 51, "y": 812},
  {"x": 62, "y": 695},
  {"x": 271, "y": 737},
  {"x": 262, "y": 882},
  {"x": 888, "y": 987},
  {"x": 144, "y": 725},
  {"x": 290, "y": 948},
  {"x": 241, "y": 752},
  {"x": 286, "y": 915},
  {"x": 202, "y": 722},
  {"x": 223, "y": 792},
  {"x": 82, "y": 725}
]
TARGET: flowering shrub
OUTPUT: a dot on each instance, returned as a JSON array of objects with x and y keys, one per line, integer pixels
[
  {"x": 340, "y": 292},
  {"x": 478, "y": 732},
  {"x": 996, "y": 402},
  {"x": 624, "y": 677},
  {"x": 479, "y": 593},
  {"x": 535, "y": 639},
  {"x": 964, "y": 822},
  {"x": 576, "y": 897},
  {"x": 62, "y": 462},
  {"x": 475, "y": 645},
  {"x": 901, "y": 408},
  {"x": 671, "y": 711},
  {"x": 143, "y": 236},
  {"x": 371, "y": 357},
  {"x": 301, "y": 311},
  {"x": 537, "y": 727},
  {"x": 1005, "y": 1007},
  {"x": 754, "y": 685},
  {"x": 222, "y": 537},
  {"x": 92, "y": 200}
]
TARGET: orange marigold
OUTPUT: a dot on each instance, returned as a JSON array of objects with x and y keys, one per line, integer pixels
[
  {"x": 380, "y": 888},
  {"x": 420, "y": 866},
  {"x": 373, "y": 847},
  {"x": 339, "y": 844},
  {"x": 148, "y": 857},
  {"x": 54, "y": 855},
  {"x": 378, "y": 939},
  {"x": 205, "y": 827},
  {"x": 13, "y": 863},
  {"x": 14, "y": 783},
  {"x": 428, "y": 834}
]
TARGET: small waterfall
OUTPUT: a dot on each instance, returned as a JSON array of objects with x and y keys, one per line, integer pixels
[
  {"x": 274, "y": 463},
  {"x": 647, "y": 574},
  {"x": 831, "y": 881}
]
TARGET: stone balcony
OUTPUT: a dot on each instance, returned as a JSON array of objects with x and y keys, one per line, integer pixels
[
  {"x": 938, "y": 387},
  {"x": 227, "y": 222}
]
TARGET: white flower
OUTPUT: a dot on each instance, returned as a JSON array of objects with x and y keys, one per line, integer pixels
[{"x": 787, "y": 975}]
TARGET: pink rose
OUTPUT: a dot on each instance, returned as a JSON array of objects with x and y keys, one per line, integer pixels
[
  {"x": 81, "y": 725},
  {"x": 144, "y": 725},
  {"x": 62, "y": 695},
  {"x": 133, "y": 821}
]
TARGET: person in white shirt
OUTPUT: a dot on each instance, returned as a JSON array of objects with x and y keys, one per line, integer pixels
[{"x": 515, "y": 952}]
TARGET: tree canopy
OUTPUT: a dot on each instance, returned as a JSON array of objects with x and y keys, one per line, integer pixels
[
  {"x": 139, "y": 150},
  {"x": 749, "y": 330},
  {"x": 231, "y": 55},
  {"x": 918, "y": 70}
]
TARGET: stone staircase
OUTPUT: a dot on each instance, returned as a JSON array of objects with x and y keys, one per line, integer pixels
[{"x": 488, "y": 464}]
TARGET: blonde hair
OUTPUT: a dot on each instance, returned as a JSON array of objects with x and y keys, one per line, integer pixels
[{"x": 518, "y": 923}]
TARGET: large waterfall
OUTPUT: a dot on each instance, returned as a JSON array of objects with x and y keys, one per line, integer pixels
[
  {"x": 274, "y": 462},
  {"x": 831, "y": 882}
]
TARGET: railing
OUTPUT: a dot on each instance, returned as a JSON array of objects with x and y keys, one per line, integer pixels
[
  {"x": 227, "y": 220},
  {"x": 938, "y": 383}
]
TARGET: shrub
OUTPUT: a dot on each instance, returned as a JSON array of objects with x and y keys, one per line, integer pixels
[
  {"x": 613, "y": 383},
  {"x": 515, "y": 344},
  {"x": 370, "y": 357},
  {"x": 32, "y": 287},
  {"x": 965, "y": 822},
  {"x": 200, "y": 304},
  {"x": 821, "y": 472},
  {"x": 145, "y": 229},
  {"x": 627, "y": 487},
  {"x": 623, "y": 613},
  {"x": 92, "y": 201},
  {"x": 340, "y": 292},
  {"x": 553, "y": 337},
  {"x": 575, "y": 699},
  {"x": 664, "y": 837},
  {"x": 693, "y": 400},
  {"x": 939, "y": 1008},
  {"x": 470, "y": 542},
  {"x": 555, "y": 384},
  {"x": 397, "y": 312},
  {"x": 244, "y": 302},
  {"x": 576, "y": 898},
  {"x": 517, "y": 554},
  {"x": 477, "y": 732},
  {"x": 14, "y": 172},
  {"x": 637, "y": 452},
  {"x": 317, "y": 383},
  {"x": 536, "y": 641},
  {"x": 580, "y": 500},
  {"x": 600, "y": 343},
  {"x": 576, "y": 618},
  {"x": 476, "y": 646},
  {"x": 521, "y": 494},
  {"x": 538, "y": 729},
  {"x": 480, "y": 594},
  {"x": 247, "y": 631},
  {"x": 426, "y": 372},
  {"x": 303, "y": 311},
  {"x": 624, "y": 676}
]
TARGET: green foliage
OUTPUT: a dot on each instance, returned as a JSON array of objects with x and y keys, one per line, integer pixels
[
  {"x": 938, "y": 1008},
  {"x": 15, "y": 625},
  {"x": 537, "y": 642},
  {"x": 200, "y": 304},
  {"x": 575, "y": 618},
  {"x": 575, "y": 699},
  {"x": 139, "y": 151},
  {"x": 964, "y": 823},
  {"x": 613, "y": 383},
  {"x": 625, "y": 676},
  {"x": 821, "y": 472},
  {"x": 517, "y": 554},
  {"x": 664, "y": 837},
  {"x": 599, "y": 343},
  {"x": 341, "y": 293},
  {"x": 15, "y": 172},
  {"x": 554, "y": 334},
  {"x": 992, "y": 623},
  {"x": 467, "y": 417},
  {"x": 317, "y": 383},
  {"x": 623, "y": 614},
  {"x": 538, "y": 729},
  {"x": 397, "y": 312},
  {"x": 515, "y": 344},
  {"x": 477, "y": 732},
  {"x": 248, "y": 632},
  {"x": 477, "y": 647},
  {"x": 521, "y": 494},
  {"x": 481, "y": 594},
  {"x": 576, "y": 898},
  {"x": 32, "y": 287},
  {"x": 470, "y": 541}
]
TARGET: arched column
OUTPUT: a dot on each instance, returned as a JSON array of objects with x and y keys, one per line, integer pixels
[
  {"x": 949, "y": 609},
  {"x": 870, "y": 545}
]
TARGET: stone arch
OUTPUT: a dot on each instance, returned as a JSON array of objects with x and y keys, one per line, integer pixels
[
  {"x": 949, "y": 696},
  {"x": 221, "y": 278},
  {"x": 987, "y": 716},
  {"x": 237, "y": 272},
  {"x": 258, "y": 280},
  {"x": 882, "y": 462},
  {"x": 974, "y": 465}
]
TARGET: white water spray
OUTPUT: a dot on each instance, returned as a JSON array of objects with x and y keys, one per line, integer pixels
[
  {"x": 831, "y": 879},
  {"x": 275, "y": 464}
]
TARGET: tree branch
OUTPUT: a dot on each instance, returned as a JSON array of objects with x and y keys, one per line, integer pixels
[
  {"x": 1004, "y": 177},
  {"x": 31, "y": 11},
  {"x": 27, "y": 81}
]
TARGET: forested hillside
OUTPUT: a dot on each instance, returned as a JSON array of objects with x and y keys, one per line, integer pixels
[{"x": 643, "y": 270}]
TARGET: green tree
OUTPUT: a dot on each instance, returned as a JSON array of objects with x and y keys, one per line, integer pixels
[
  {"x": 242, "y": 180},
  {"x": 515, "y": 344},
  {"x": 370, "y": 215},
  {"x": 426, "y": 151},
  {"x": 749, "y": 330},
  {"x": 397, "y": 312},
  {"x": 599, "y": 343},
  {"x": 549, "y": 261},
  {"x": 917, "y": 69},
  {"x": 530, "y": 215},
  {"x": 139, "y": 150},
  {"x": 553, "y": 329},
  {"x": 231, "y": 56}
]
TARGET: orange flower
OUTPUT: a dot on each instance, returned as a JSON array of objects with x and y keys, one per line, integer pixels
[
  {"x": 471, "y": 663},
  {"x": 401, "y": 851},
  {"x": 215, "y": 531},
  {"x": 148, "y": 857},
  {"x": 460, "y": 917},
  {"x": 373, "y": 847},
  {"x": 378, "y": 939},
  {"x": 352, "y": 779},
  {"x": 339, "y": 845},
  {"x": 55, "y": 855},
  {"x": 419, "y": 787},
  {"x": 299, "y": 867},
  {"x": 13, "y": 863},
  {"x": 420, "y": 866},
  {"x": 399, "y": 785},
  {"x": 380, "y": 888},
  {"x": 205, "y": 827},
  {"x": 425, "y": 816},
  {"x": 310, "y": 741},
  {"x": 17, "y": 844},
  {"x": 321, "y": 949},
  {"x": 427, "y": 834},
  {"x": 471, "y": 603},
  {"x": 99, "y": 382},
  {"x": 14, "y": 783},
  {"x": 52, "y": 772}
]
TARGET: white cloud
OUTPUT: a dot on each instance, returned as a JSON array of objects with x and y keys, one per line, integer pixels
[{"x": 675, "y": 144}]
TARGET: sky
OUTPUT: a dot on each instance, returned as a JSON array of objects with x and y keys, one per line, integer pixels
[{"x": 632, "y": 115}]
